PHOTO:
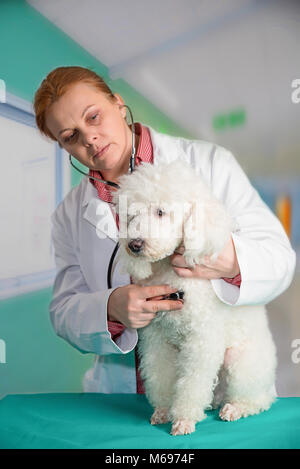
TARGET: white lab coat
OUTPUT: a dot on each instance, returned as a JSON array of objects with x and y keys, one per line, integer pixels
[{"x": 78, "y": 309}]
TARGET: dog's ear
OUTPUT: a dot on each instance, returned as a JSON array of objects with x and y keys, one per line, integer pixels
[
  {"x": 139, "y": 269},
  {"x": 206, "y": 230}
]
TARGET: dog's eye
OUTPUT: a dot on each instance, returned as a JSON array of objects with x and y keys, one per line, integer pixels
[{"x": 160, "y": 212}]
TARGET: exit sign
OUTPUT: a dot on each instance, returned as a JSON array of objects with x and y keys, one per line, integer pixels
[{"x": 229, "y": 120}]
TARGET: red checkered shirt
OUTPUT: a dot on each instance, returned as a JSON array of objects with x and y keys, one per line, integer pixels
[{"x": 144, "y": 153}]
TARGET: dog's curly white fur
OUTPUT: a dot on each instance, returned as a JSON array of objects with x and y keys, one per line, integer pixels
[{"x": 209, "y": 354}]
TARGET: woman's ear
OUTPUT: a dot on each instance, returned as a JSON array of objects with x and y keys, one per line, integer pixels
[
  {"x": 120, "y": 103},
  {"x": 206, "y": 230}
]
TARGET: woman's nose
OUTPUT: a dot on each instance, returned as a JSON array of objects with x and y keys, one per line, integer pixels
[{"x": 89, "y": 138}]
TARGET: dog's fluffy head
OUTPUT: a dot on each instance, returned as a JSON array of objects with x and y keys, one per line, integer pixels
[{"x": 163, "y": 206}]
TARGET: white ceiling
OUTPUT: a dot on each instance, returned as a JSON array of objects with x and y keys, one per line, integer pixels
[{"x": 195, "y": 59}]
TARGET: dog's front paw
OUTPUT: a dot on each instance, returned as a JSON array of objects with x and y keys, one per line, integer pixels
[
  {"x": 160, "y": 415},
  {"x": 183, "y": 427},
  {"x": 230, "y": 412},
  {"x": 192, "y": 257}
]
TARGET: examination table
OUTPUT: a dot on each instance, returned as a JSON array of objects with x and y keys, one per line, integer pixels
[{"x": 121, "y": 421}]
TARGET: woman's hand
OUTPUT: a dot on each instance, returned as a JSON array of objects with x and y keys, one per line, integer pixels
[
  {"x": 135, "y": 306},
  {"x": 226, "y": 264}
]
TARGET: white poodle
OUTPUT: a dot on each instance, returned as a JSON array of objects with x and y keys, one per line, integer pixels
[{"x": 208, "y": 354}]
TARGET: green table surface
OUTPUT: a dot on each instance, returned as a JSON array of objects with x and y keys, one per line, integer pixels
[{"x": 121, "y": 421}]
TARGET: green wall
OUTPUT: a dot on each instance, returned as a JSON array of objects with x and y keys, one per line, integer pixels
[{"x": 36, "y": 359}]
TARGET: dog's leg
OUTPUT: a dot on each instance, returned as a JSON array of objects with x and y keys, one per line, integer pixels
[
  {"x": 250, "y": 378},
  {"x": 157, "y": 368},
  {"x": 219, "y": 391},
  {"x": 160, "y": 415},
  {"x": 199, "y": 361}
]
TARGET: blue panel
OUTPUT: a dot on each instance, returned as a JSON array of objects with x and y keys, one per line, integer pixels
[{"x": 13, "y": 113}]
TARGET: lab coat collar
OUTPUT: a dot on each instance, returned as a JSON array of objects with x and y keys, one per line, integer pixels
[
  {"x": 165, "y": 147},
  {"x": 97, "y": 212},
  {"x": 101, "y": 216},
  {"x": 89, "y": 191}
]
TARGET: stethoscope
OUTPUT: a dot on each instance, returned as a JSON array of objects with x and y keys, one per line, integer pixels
[
  {"x": 113, "y": 184},
  {"x": 172, "y": 296}
]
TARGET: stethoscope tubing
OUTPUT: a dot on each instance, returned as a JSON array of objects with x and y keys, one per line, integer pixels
[{"x": 112, "y": 184}]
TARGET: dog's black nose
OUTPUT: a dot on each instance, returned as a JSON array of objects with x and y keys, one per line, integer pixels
[{"x": 136, "y": 245}]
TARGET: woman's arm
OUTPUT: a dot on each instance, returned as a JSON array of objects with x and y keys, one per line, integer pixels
[
  {"x": 259, "y": 249},
  {"x": 264, "y": 253},
  {"x": 226, "y": 266},
  {"x": 78, "y": 315},
  {"x": 101, "y": 322}
]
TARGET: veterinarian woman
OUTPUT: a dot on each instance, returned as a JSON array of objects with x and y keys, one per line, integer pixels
[{"x": 76, "y": 108}]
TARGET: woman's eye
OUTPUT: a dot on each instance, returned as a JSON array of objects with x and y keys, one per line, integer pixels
[
  {"x": 68, "y": 139},
  {"x": 71, "y": 137},
  {"x": 94, "y": 117}
]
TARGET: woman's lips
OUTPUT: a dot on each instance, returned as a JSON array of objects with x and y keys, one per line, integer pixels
[{"x": 100, "y": 153}]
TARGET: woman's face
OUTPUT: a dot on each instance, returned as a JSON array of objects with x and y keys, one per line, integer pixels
[{"x": 84, "y": 121}]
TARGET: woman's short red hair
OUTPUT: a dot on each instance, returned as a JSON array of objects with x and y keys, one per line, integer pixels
[{"x": 56, "y": 83}]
